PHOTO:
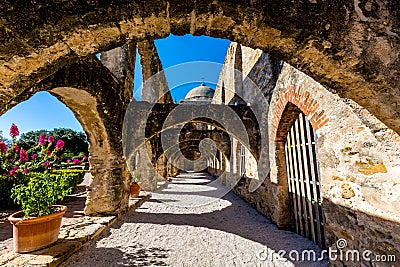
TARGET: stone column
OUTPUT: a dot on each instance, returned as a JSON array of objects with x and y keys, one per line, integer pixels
[
  {"x": 99, "y": 101},
  {"x": 155, "y": 86},
  {"x": 155, "y": 90},
  {"x": 121, "y": 62}
]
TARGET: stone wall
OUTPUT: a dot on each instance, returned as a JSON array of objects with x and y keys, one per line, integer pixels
[
  {"x": 359, "y": 159},
  {"x": 359, "y": 165}
]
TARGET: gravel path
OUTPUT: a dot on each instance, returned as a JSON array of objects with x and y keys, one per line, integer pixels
[{"x": 171, "y": 229}]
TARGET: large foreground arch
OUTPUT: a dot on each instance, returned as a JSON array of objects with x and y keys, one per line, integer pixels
[
  {"x": 98, "y": 100},
  {"x": 351, "y": 47}
]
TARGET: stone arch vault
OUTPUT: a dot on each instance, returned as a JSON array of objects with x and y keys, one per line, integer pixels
[
  {"x": 351, "y": 48},
  {"x": 348, "y": 47}
]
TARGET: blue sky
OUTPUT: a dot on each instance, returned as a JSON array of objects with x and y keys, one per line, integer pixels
[{"x": 43, "y": 111}]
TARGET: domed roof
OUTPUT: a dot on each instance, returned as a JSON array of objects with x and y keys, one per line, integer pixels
[{"x": 200, "y": 92}]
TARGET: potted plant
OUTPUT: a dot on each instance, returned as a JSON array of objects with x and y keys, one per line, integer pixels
[
  {"x": 16, "y": 162},
  {"x": 28, "y": 178},
  {"x": 39, "y": 222},
  {"x": 135, "y": 187}
]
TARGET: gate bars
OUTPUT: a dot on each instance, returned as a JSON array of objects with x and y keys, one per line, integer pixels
[{"x": 304, "y": 181}]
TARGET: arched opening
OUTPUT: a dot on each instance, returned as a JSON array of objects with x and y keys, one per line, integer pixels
[
  {"x": 345, "y": 57},
  {"x": 44, "y": 127},
  {"x": 299, "y": 176},
  {"x": 165, "y": 54}
]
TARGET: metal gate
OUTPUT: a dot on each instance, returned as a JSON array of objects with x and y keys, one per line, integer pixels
[{"x": 304, "y": 181}]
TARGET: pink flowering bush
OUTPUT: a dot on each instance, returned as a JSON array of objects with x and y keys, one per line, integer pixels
[
  {"x": 36, "y": 159},
  {"x": 16, "y": 163}
]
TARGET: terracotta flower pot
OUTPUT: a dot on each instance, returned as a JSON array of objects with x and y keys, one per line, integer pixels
[
  {"x": 135, "y": 190},
  {"x": 37, "y": 232}
]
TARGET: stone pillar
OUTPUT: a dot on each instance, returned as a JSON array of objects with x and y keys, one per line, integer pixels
[
  {"x": 146, "y": 169},
  {"x": 99, "y": 101},
  {"x": 237, "y": 76},
  {"x": 155, "y": 90},
  {"x": 121, "y": 62},
  {"x": 280, "y": 200},
  {"x": 155, "y": 86}
]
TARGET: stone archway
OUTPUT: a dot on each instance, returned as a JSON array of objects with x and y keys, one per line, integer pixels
[
  {"x": 98, "y": 100},
  {"x": 106, "y": 192},
  {"x": 293, "y": 101},
  {"x": 348, "y": 47}
]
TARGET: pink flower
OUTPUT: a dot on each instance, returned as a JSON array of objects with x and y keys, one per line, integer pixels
[
  {"x": 34, "y": 156},
  {"x": 60, "y": 144},
  {"x": 25, "y": 171},
  {"x": 69, "y": 160},
  {"x": 51, "y": 139},
  {"x": 12, "y": 173},
  {"x": 23, "y": 156},
  {"x": 42, "y": 139},
  {"x": 48, "y": 152},
  {"x": 14, "y": 132},
  {"x": 16, "y": 148},
  {"x": 46, "y": 163},
  {"x": 16, "y": 168},
  {"x": 3, "y": 147},
  {"x": 77, "y": 161},
  {"x": 84, "y": 158},
  {"x": 4, "y": 174}
]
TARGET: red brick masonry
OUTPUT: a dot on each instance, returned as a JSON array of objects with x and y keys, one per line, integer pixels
[{"x": 292, "y": 101}]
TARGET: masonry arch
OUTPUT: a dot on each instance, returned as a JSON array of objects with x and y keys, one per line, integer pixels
[
  {"x": 325, "y": 48},
  {"x": 296, "y": 158},
  {"x": 85, "y": 88},
  {"x": 345, "y": 57},
  {"x": 106, "y": 162},
  {"x": 189, "y": 145}
]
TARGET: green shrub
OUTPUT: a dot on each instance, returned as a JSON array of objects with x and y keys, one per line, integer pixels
[
  {"x": 72, "y": 178},
  {"x": 42, "y": 191},
  {"x": 77, "y": 175},
  {"x": 6, "y": 184}
]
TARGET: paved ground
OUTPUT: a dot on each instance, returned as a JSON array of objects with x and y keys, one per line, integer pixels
[{"x": 168, "y": 231}]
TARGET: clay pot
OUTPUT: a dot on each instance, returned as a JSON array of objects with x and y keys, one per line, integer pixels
[
  {"x": 135, "y": 190},
  {"x": 36, "y": 232}
]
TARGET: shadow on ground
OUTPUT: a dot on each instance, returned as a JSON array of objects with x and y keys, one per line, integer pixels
[{"x": 134, "y": 255}]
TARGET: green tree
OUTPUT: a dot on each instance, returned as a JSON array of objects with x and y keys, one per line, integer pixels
[
  {"x": 30, "y": 139},
  {"x": 75, "y": 142}
]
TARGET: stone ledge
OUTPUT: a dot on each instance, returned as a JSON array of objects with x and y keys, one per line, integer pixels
[{"x": 74, "y": 233}]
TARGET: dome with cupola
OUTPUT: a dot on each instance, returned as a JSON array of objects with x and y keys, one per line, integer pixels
[{"x": 200, "y": 95}]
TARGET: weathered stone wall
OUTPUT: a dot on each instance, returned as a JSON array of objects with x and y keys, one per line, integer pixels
[
  {"x": 359, "y": 165},
  {"x": 359, "y": 162},
  {"x": 254, "y": 66}
]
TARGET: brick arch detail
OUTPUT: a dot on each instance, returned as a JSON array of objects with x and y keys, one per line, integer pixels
[{"x": 293, "y": 100}]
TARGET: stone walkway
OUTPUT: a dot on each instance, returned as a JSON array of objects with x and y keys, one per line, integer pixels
[{"x": 172, "y": 229}]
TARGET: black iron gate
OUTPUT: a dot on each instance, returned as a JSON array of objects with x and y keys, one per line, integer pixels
[{"x": 304, "y": 181}]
